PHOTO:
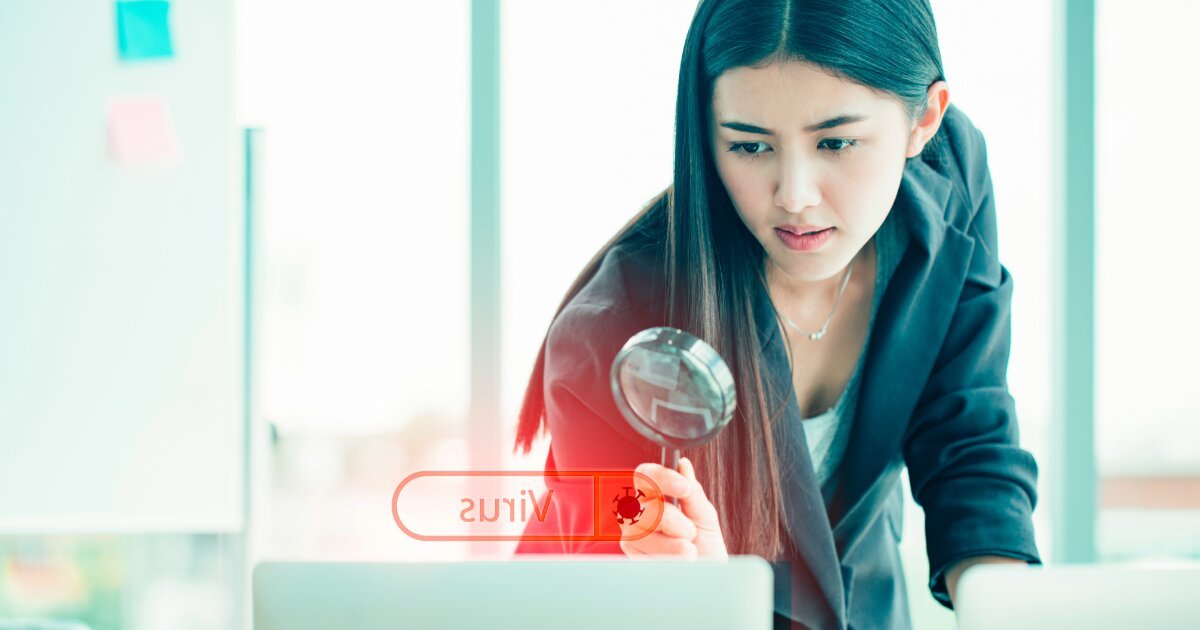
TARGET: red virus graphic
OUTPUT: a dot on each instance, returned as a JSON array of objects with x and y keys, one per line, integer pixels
[{"x": 628, "y": 506}]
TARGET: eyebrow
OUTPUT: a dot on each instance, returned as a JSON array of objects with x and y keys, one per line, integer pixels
[{"x": 836, "y": 121}]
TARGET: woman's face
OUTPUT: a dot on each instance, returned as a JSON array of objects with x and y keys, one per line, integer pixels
[{"x": 798, "y": 147}]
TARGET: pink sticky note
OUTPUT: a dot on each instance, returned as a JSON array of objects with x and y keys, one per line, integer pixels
[{"x": 140, "y": 130}]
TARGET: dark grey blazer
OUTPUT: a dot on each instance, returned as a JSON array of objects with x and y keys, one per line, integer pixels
[{"x": 933, "y": 397}]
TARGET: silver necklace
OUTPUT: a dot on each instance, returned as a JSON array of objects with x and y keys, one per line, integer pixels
[{"x": 816, "y": 336}]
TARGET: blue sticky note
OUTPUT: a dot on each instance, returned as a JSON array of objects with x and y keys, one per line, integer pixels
[{"x": 142, "y": 29}]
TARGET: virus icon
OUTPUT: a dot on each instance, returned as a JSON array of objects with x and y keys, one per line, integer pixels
[{"x": 628, "y": 506}]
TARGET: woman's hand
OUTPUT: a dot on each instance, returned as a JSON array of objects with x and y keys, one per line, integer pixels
[{"x": 690, "y": 530}]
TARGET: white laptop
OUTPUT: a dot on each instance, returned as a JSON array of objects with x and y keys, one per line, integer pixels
[
  {"x": 1097, "y": 597},
  {"x": 548, "y": 592}
]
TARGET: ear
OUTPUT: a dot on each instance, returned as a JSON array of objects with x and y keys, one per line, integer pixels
[{"x": 937, "y": 100}]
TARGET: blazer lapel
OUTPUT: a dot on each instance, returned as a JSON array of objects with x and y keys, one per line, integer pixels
[
  {"x": 914, "y": 312},
  {"x": 804, "y": 514}
]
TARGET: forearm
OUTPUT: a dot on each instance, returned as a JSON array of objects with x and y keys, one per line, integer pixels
[{"x": 959, "y": 567}]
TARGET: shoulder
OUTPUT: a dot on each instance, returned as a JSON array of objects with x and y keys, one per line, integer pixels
[
  {"x": 628, "y": 278},
  {"x": 962, "y": 134},
  {"x": 621, "y": 299},
  {"x": 964, "y": 156},
  {"x": 584, "y": 339}
]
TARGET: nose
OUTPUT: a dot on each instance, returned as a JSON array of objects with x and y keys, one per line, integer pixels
[{"x": 798, "y": 186}]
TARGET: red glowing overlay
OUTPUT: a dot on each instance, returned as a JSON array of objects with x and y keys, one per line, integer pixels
[{"x": 573, "y": 505}]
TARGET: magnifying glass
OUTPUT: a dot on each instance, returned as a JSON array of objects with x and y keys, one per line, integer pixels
[{"x": 673, "y": 389}]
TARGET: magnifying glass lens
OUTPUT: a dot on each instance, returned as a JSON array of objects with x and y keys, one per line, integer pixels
[
  {"x": 676, "y": 397},
  {"x": 674, "y": 389}
]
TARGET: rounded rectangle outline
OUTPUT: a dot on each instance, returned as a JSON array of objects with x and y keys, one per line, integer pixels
[{"x": 595, "y": 474}]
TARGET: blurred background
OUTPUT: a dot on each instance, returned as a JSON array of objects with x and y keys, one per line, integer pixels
[{"x": 260, "y": 260}]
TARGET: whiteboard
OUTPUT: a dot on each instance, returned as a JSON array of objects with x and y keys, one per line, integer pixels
[{"x": 121, "y": 288}]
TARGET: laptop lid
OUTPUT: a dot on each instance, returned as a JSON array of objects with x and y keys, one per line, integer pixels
[
  {"x": 528, "y": 594},
  {"x": 1097, "y": 597}
]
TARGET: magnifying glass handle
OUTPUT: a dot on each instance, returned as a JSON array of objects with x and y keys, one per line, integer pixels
[{"x": 670, "y": 459}]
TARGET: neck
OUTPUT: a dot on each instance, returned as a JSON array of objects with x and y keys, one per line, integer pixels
[{"x": 807, "y": 296}]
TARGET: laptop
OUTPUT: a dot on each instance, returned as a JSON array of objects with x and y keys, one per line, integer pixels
[
  {"x": 601, "y": 593},
  {"x": 1097, "y": 597}
]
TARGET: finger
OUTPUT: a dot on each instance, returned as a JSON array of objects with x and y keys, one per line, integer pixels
[
  {"x": 694, "y": 502},
  {"x": 669, "y": 482},
  {"x": 672, "y": 523},
  {"x": 687, "y": 469},
  {"x": 675, "y": 524}
]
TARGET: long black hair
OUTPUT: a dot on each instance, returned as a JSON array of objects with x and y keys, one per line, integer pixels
[{"x": 711, "y": 263}]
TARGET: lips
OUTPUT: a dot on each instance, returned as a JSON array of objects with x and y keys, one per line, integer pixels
[
  {"x": 803, "y": 229},
  {"x": 808, "y": 242}
]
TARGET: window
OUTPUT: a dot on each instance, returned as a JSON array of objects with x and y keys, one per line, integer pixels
[
  {"x": 363, "y": 300},
  {"x": 588, "y": 139},
  {"x": 1147, "y": 403}
]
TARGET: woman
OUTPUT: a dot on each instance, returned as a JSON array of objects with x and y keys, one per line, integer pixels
[{"x": 831, "y": 232}]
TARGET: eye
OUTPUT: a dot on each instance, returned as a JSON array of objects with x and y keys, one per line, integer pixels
[
  {"x": 749, "y": 150},
  {"x": 752, "y": 150},
  {"x": 837, "y": 146}
]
